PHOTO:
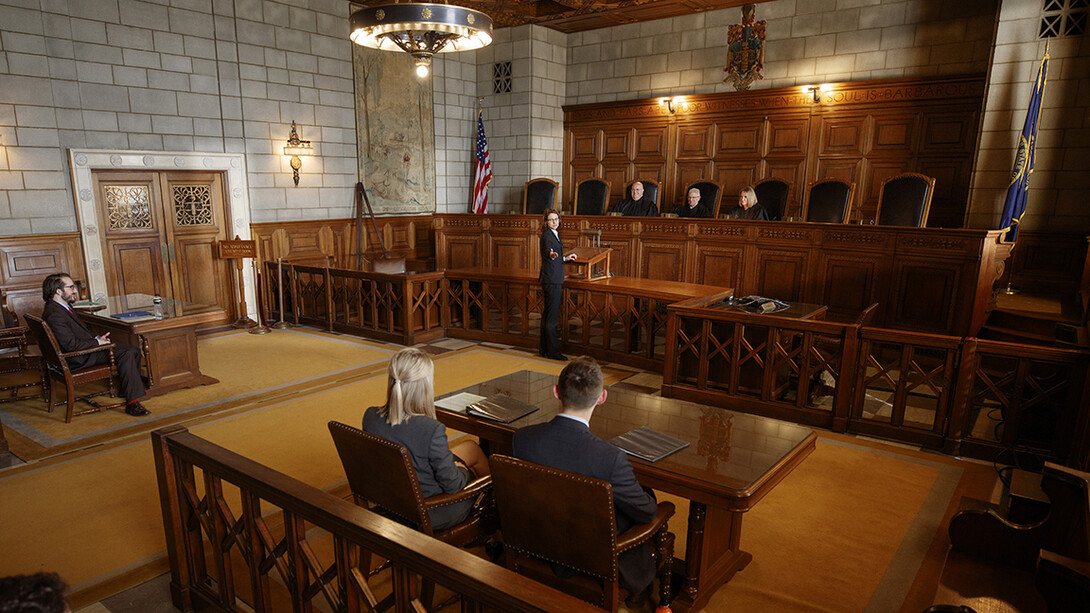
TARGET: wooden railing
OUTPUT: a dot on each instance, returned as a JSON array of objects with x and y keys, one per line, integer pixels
[
  {"x": 967, "y": 396},
  {"x": 404, "y": 308},
  {"x": 241, "y": 536}
]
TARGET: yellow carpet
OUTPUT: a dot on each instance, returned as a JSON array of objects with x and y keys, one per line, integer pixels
[
  {"x": 249, "y": 367},
  {"x": 829, "y": 528}
]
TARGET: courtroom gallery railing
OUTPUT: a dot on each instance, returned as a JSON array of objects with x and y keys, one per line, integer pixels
[
  {"x": 967, "y": 396},
  {"x": 964, "y": 395},
  {"x": 242, "y": 536}
]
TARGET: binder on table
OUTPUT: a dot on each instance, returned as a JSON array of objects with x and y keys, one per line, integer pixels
[
  {"x": 498, "y": 407},
  {"x": 648, "y": 443}
]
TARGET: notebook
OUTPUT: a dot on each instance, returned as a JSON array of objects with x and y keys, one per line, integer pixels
[
  {"x": 498, "y": 407},
  {"x": 648, "y": 443},
  {"x": 133, "y": 315}
]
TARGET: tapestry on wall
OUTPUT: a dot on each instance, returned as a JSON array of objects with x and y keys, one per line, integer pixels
[
  {"x": 395, "y": 133},
  {"x": 745, "y": 50}
]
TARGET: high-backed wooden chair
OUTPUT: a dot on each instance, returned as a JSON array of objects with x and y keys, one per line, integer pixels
[
  {"x": 711, "y": 194},
  {"x": 54, "y": 363},
  {"x": 538, "y": 195},
  {"x": 905, "y": 200},
  {"x": 772, "y": 195},
  {"x": 828, "y": 201},
  {"x": 15, "y": 354},
  {"x": 592, "y": 197},
  {"x": 382, "y": 478},
  {"x": 552, "y": 516},
  {"x": 650, "y": 190}
]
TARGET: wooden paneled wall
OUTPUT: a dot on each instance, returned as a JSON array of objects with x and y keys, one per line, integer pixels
[
  {"x": 26, "y": 260},
  {"x": 924, "y": 279},
  {"x": 333, "y": 241},
  {"x": 1047, "y": 263},
  {"x": 861, "y": 132}
]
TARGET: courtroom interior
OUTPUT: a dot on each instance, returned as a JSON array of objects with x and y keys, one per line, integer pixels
[{"x": 831, "y": 256}]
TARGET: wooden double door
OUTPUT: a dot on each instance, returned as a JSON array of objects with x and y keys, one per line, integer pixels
[{"x": 159, "y": 232}]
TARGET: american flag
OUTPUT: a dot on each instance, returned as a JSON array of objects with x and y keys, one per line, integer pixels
[{"x": 484, "y": 171}]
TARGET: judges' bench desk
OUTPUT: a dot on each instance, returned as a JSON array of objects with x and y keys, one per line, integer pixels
[
  {"x": 168, "y": 345},
  {"x": 733, "y": 460}
]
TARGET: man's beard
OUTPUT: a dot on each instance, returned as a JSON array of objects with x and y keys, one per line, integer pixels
[{"x": 71, "y": 299}]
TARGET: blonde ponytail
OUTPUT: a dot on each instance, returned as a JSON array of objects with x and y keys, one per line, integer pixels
[{"x": 409, "y": 386}]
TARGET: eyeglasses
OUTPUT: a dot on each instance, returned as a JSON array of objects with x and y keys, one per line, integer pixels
[{"x": 69, "y": 286}]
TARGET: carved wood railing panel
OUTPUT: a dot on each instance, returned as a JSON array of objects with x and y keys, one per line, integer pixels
[
  {"x": 984, "y": 399},
  {"x": 405, "y": 308},
  {"x": 1016, "y": 400},
  {"x": 241, "y": 536}
]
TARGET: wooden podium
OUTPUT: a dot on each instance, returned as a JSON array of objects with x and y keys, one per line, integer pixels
[{"x": 591, "y": 263}]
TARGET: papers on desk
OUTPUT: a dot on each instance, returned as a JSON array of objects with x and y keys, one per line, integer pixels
[
  {"x": 498, "y": 407},
  {"x": 647, "y": 443},
  {"x": 458, "y": 402}
]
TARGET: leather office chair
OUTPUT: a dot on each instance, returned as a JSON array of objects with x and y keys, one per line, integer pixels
[
  {"x": 650, "y": 190},
  {"x": 905, "y": 200},
  {"x": 15, "y": 355},
  {"x": 552, "y": 516},
  {"x": 710, "y": 194},
  {"x": 592, "y": 197},
  {"x": 381, "y": 475},
  {"x": 772, "y": 195},
  {"x": 828, "y": 201},
  {"x": 538, "y": 195},
  {"x": 54, "y": 363}
]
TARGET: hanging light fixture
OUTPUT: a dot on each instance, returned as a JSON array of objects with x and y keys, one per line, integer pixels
[{"x": 421, "y": 30}]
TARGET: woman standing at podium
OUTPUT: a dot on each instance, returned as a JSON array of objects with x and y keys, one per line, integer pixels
[{"x": 551, "y": 278}]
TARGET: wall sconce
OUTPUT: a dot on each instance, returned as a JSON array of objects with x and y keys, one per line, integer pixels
[
  {"x": 672, "y": 104},
  {"x": 295, "y": 149},
  {"x": 816, "y": 91}
]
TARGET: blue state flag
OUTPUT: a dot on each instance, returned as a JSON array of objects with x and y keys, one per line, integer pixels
[{"x": 1018, "y": 189}]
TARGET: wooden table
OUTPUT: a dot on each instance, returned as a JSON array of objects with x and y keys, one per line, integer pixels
[
  {"x": 732, "y": 462},
  {"x": 168, "y": 345}
]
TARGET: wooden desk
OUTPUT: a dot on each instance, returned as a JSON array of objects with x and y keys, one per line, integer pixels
[
  {"x": 732, "y": 462},
  {"x": 168, "y": 345}
]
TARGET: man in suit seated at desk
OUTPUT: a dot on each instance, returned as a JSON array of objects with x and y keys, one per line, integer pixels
[
  {"x": 693, "y": 207},
  {"x": 637, "y": 205},
  {"x": 59, "y": 292},
  {"x": 567, "y": 444}
]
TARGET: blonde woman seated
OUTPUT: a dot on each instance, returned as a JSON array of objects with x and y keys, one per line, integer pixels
[
  {"x": 748, "y": 207},
  {"x": 408, "y": 418}
]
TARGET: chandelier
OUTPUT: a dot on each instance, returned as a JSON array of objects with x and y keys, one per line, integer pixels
[{"x": 421, "y": 30}]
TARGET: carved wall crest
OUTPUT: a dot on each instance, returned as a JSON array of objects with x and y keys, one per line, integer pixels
[{"x": 745, "y": 50}]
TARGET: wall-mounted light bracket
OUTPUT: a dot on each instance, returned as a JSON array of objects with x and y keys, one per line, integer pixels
[
  {"x": 671, "y": 104},
  {"x": 296, "y": 148},
  {"x": 817, "y": 90}
]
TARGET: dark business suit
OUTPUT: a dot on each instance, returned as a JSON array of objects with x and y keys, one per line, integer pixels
[
  {"x": 552, "y": 279},
  {"x": 567, "y": 444},
  {"x": 426, "y": 441},
  {"x": 72, "y": 335}
]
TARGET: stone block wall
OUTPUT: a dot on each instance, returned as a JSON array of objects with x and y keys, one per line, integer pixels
[
  {"x": 807, "y": 42},
  {"x": 193, "y": 75}
]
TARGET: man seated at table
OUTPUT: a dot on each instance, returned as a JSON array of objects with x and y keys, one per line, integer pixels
[
  {"x": 59, "y": 292},
  {"x": 693, "y": 207},
  {"x": 637, "y": 205},
  {"x": 567, "y": 444}
]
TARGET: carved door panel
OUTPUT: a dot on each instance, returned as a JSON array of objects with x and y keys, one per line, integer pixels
[
  {"x": 159, "y": 231},
  {"x": 194, "y": 222}
]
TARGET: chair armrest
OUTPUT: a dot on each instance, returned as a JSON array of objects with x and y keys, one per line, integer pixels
[
  {"x": 471, "y": 490},
  {"x": 79, "y": 352},
  {"x": 637, "y": 535}
]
